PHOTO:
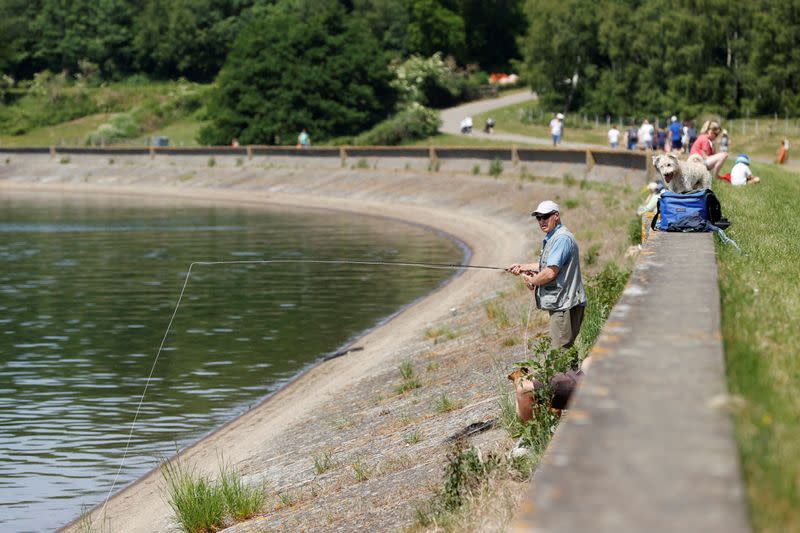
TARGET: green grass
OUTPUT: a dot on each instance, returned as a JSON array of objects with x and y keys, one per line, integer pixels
[
  {"x": 72, "y": 133},
  {"x": 198, "y": 503},
  {"x": 202, "y": 505},
  {"x": 323, "y": 462},
  {"x": 156, "y": 108},
  {"x": 761, "y": 332}
]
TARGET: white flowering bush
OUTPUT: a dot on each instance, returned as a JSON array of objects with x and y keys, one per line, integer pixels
[
  {"x": 428, "y": 81},
  {"x": 120, "y": 126}
]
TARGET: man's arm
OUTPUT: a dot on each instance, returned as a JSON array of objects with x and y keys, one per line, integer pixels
[{"x": 545, "y": 276}]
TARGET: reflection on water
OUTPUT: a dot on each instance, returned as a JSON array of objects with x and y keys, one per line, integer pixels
[{"x": 87, "y": 286}]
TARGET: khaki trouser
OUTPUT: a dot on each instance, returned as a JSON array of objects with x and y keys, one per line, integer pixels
[{"x": 565, "y": 326}]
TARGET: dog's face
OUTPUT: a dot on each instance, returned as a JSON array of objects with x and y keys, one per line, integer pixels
[
  {"x": 519, "y": 374},
  {"x": 667, "y": 166}
]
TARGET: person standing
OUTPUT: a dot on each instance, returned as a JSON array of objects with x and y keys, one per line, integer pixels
[
  {"x": 632, "y": 136},
  {"x": 556, "y": 278},
  {"x": 646, "y": 135},
  {"x": 613, "y": 137},
  {"x": 557, "y": 128},
  {"x": 675, "y": 134},
  {"x": 303, "y": 140}
]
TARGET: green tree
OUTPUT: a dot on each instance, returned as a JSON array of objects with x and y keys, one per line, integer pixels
[
  {"x": 300, "y": 64},
  {"x": 491, "y": 30},
  {"x": 434, "y": 27},
  {"x": 64, "y": 33},
  {"x": 189, "y": 38}
]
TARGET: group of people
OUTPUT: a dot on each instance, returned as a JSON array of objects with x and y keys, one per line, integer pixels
[{"x": 676, "y": 137}]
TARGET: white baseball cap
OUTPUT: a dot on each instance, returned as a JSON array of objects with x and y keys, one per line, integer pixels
[
  {"x": 560, "y": 116},
  {"x": 674, "y": 118},
  {"x": 545, "y": 208}
]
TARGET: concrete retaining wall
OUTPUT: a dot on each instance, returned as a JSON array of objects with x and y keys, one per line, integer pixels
[
  {"x": 647, "y": 444},
  {"x": 595, "y": 164}
]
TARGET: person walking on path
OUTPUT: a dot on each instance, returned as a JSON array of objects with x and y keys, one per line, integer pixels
[
  {"x": 556, "y": 278},
  {"x": 557, "y": 128}
]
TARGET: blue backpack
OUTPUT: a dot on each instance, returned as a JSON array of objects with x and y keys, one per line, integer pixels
[{"x": 673, "y": 207}]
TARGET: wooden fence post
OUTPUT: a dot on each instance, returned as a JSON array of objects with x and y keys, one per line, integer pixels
[{"x": 249, "y": 152}]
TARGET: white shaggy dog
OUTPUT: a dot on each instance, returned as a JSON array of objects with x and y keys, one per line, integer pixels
[{"x": 682, "y": 176}]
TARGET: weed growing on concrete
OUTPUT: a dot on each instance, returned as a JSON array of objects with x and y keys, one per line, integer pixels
[
  {"x": 239, "y": 161},
  {"x": 406, "y": 369},
  {"x": 476, "y": 169},
  {"x": 8, "y": 160},
  {"x": 497, "y": 313},
  {"x": 65, "y": 160},
  {"x": 408, "y": 384},
  {"x": 444, "y": 404},
  {"x": 286, "y": 499},
  {"x": 110, "y": 160},
  {"x": 464, "y": 476},
  {"x": 362, "y": 163},
  {"x": 361, "y": 470},
  {"x": 241, "y": 501},
  {"x": 495, "y": 168},
  {"x": 323, "y": 462},
  {"x": 437, "y": 334},
  {"x": 510, "y": 341},
  {"x": 569, "y": 180},
  {"x": 412, "y": 437},
  {"x": 571, "y": 203},
  {"x": 198, "y": 503}
]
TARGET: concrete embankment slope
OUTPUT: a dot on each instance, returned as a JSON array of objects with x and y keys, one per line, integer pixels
[
  {"x": 648, "y": 443},
  {"x": 278, "y": 440}
]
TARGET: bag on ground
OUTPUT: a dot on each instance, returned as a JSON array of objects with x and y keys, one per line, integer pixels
[{"x": 701, "y": 204}]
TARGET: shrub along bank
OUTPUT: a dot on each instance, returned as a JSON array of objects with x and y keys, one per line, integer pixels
[{"x": 760, "y": 306}]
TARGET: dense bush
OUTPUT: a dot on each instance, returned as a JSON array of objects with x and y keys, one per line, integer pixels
[{"x": 416, "y": 122}]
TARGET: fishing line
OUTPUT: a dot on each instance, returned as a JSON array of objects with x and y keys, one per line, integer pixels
[{"x": 451, "y": 266}]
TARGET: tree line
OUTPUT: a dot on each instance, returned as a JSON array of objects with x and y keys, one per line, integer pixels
[
  {"x": 168, "y": 39},
  {"x": 627, "y": 57}
]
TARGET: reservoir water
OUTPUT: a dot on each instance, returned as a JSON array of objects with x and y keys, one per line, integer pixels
[{"x": 87, "y": 287}]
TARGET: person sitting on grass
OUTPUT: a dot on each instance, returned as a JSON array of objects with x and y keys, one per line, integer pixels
[
  {"x": 704, "y": 148},
  {"x": 741, "y": 174}
]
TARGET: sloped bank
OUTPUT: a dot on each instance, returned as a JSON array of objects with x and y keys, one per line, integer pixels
[{"x": 350, "y": 406}]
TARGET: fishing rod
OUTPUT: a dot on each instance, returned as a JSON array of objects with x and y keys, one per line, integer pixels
[{"x": 451, "y": 266}]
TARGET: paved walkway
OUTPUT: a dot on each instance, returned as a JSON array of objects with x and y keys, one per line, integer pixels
[
  {"x": 452, "y": 117},
  {"x": 648, "y": 443}
]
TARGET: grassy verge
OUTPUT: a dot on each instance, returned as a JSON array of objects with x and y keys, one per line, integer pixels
[{"x": 760, "y": 306}]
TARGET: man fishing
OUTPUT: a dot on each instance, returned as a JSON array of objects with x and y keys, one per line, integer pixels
[{"x": 556, "y": 278}]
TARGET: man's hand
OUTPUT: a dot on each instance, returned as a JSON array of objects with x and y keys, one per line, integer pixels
[{"x": 523, "y": 268}]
